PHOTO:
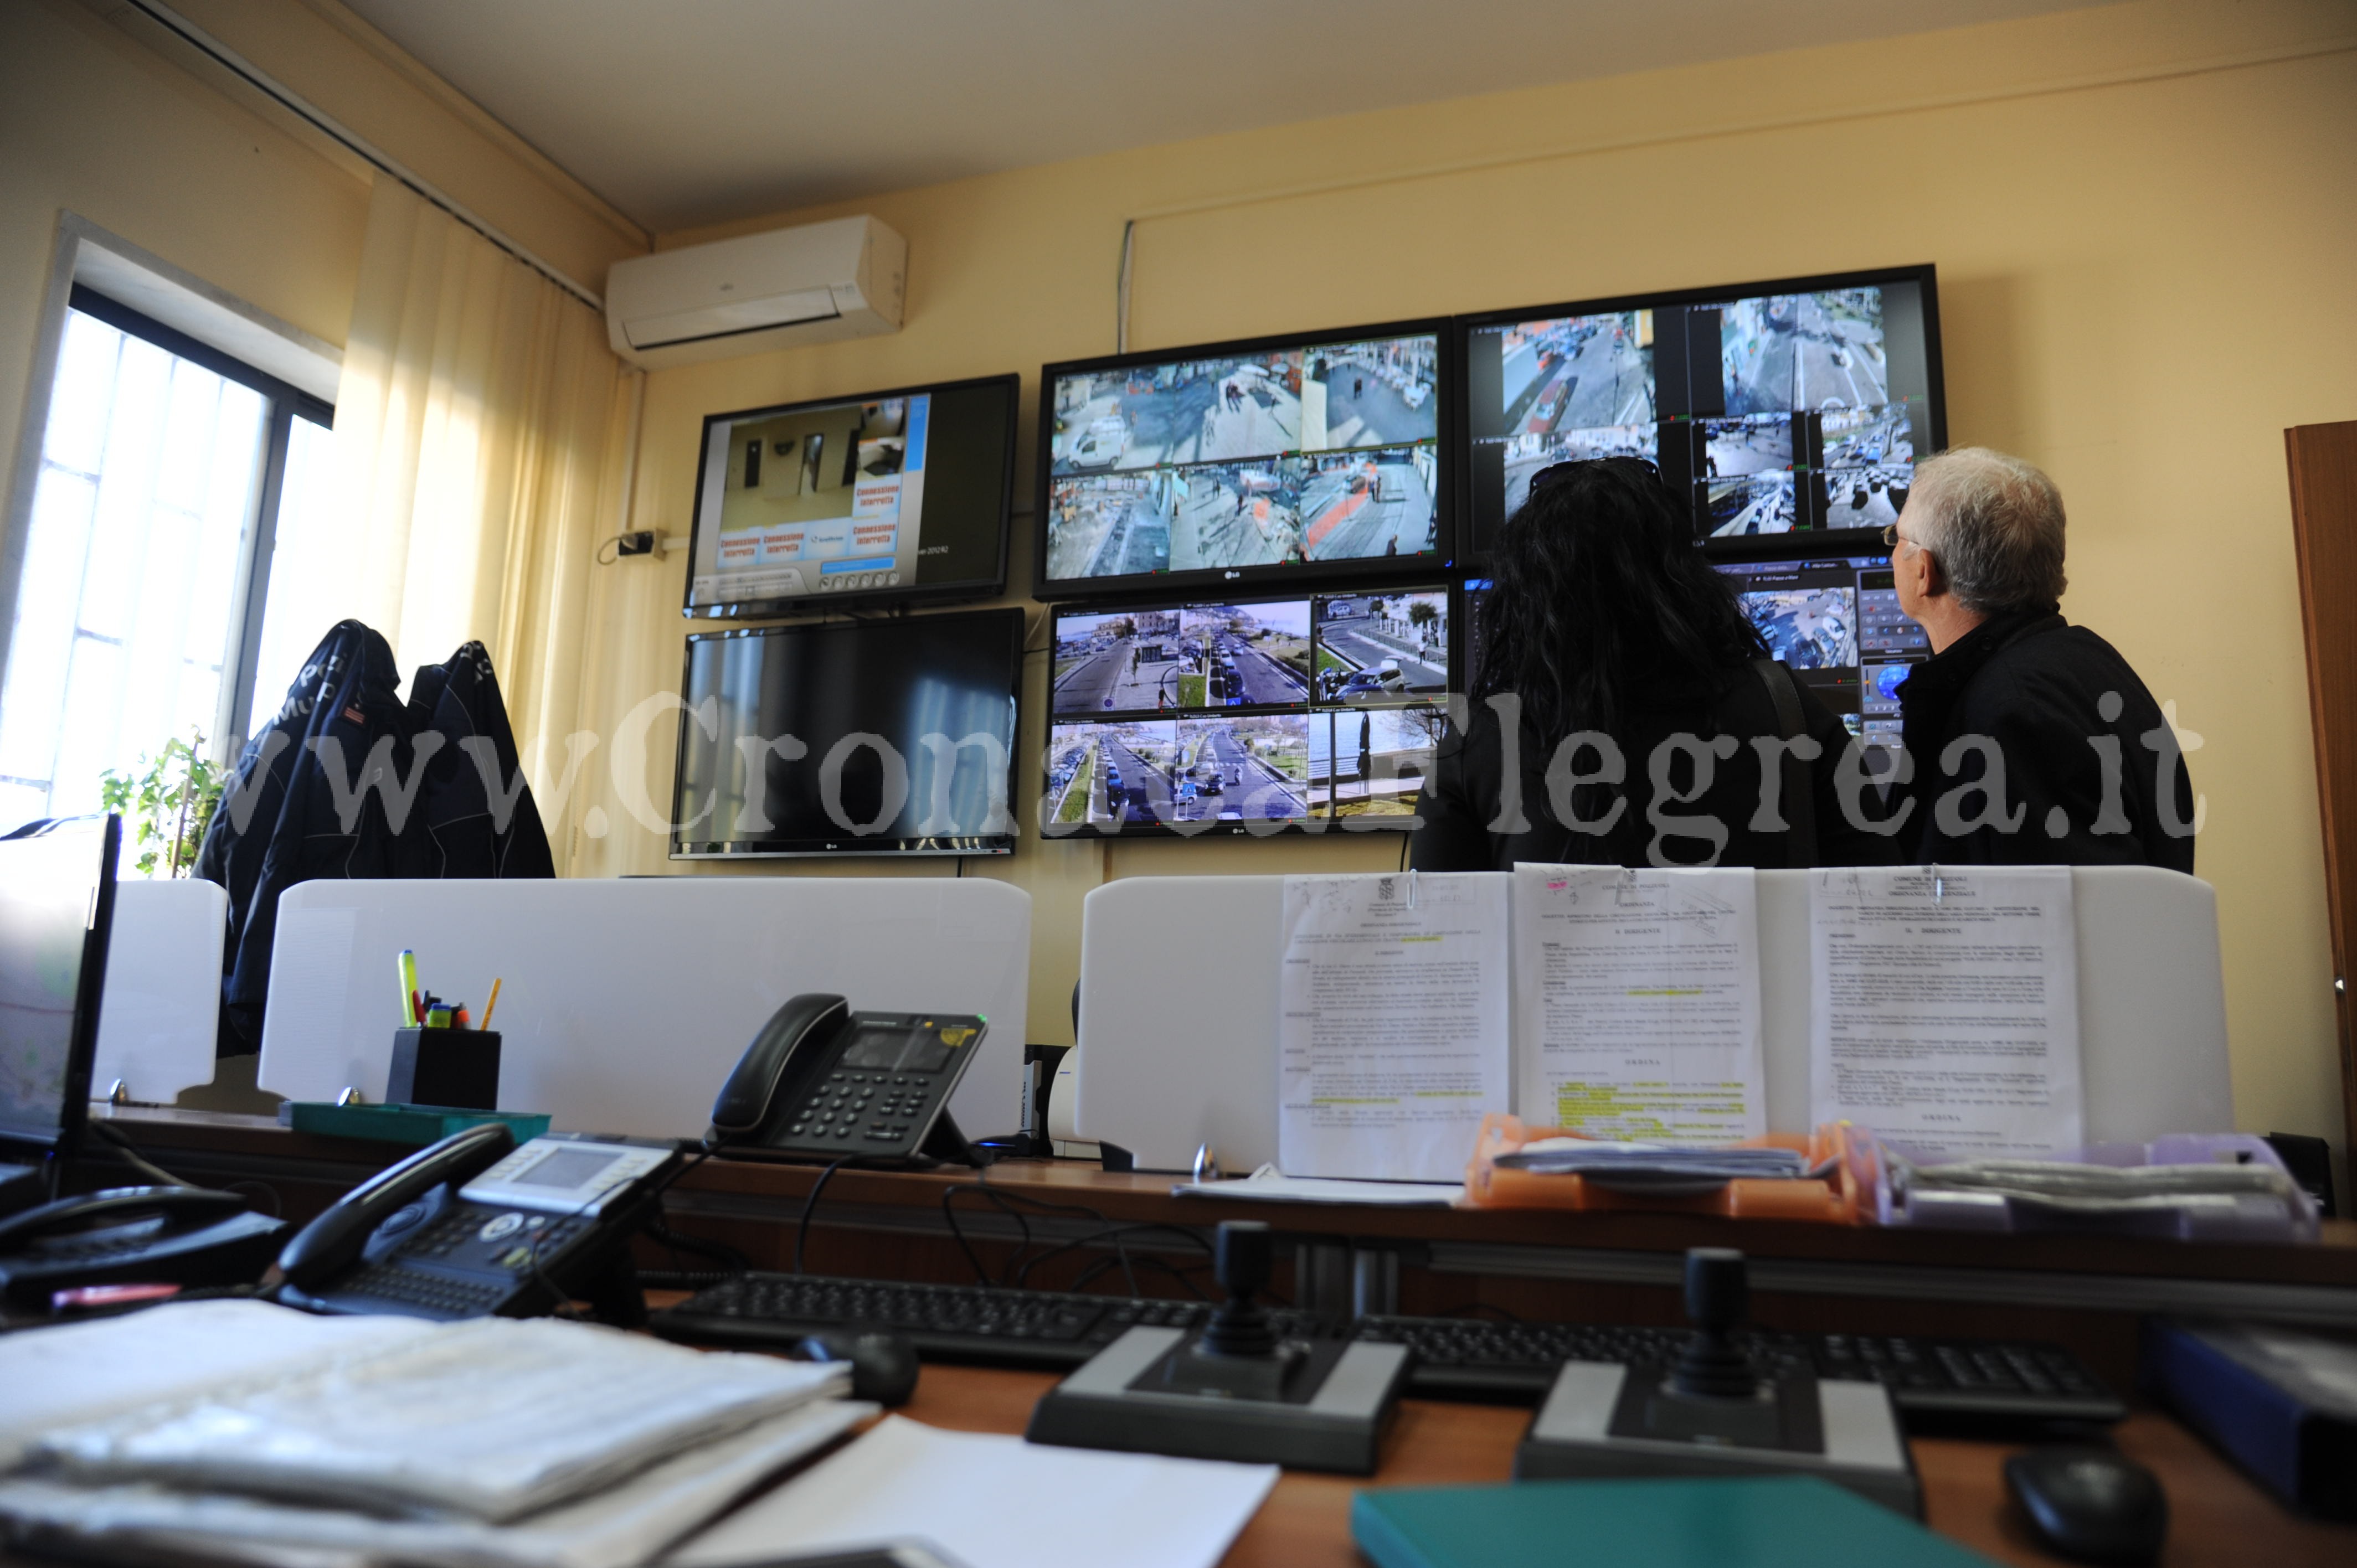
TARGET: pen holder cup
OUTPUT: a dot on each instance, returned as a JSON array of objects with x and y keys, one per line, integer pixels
[{"x": 457, "y": 1068}]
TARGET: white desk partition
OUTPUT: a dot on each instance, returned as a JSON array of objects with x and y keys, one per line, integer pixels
[
  {"x": 625, "y": 1004},
  {"x": 1178, "y": 1011},
  {"x": 161, "y": 1009}
]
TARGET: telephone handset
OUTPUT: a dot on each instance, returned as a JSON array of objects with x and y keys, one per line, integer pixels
[
  {"x": 135, "y": 1235},
  {"x": 475, "y": 1226},
  {"x": 822, "y": 1082}
]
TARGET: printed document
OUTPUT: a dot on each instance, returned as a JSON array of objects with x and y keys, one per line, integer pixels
[
  {"x": 1392, "y": 1033},
  {"x": 1637, "y": 1003},
  {"x": 1946, "y": 1008}
]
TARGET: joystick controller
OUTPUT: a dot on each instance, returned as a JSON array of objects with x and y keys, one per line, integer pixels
[
  {"x": 1236, "y": 1390},
  {"x": 1718, "y": 1289},
  {"x": 1240, "y": 1261},
  {"x": 1711, "y": 1413}
]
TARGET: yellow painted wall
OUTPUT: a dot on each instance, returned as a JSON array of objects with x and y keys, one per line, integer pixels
[
  {"x": 2145, "y": 219},
  {"x": 101, "y": 114}
]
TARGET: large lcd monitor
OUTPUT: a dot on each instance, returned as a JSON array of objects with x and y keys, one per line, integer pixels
[
  {"x": 1247, "y": 465},
  {"x": 865, "y": 737},
  {"x": 57, "y": 909},
  {"x": 1835, "y": 619},
  {"x": 1798, "y": 405},
  {"x": 1246, "y": 715},
  {"x": 890, "y": 496}
]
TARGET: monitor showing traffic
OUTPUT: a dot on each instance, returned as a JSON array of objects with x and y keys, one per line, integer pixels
[
  {"x": 1252, "y": 713},
  {"x": 1287, "y": 456},
  {"x": 1771, "y": 409},
  {"x": 1836, "y": 621}
]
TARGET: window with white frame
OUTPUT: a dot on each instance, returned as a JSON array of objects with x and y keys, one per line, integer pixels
[{"x": 166, "y": 473}]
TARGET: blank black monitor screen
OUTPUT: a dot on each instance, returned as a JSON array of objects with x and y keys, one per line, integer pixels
[
  {"x": 888, "y": 496},
  {"x": 884, "y": 737},
  {"x": 1244, "y": 462},
  {"x": 1770, "y": 408},
  {"x": 56, "y": 900}
]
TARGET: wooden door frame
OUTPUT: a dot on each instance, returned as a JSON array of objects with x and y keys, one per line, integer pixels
[{"x": 2322, "y": 460}]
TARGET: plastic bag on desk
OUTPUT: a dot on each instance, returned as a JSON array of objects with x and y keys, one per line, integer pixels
[{"x": 2227, "y": 1187}]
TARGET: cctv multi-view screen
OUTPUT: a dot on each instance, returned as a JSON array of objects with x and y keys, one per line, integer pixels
[
  {"x": 1772, "y": 408},
  {"x": 1245, "y": 462},
  {"x": 1246, "y": 715},
  {"x": 894, "y": 496}
]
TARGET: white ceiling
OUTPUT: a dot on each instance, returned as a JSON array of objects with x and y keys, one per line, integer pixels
[{"x": 684, "y": 112}]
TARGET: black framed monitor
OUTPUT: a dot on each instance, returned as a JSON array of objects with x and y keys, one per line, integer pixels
[
  {"x": 861, "y": 738},
  {"x": 1246, "y": 715},
  {"x": 57, "y": 910},
  {"x": 895, "y": 496},
  {"x": 1795, "y": 405},
  {"x": 1240, "y": 467},
  {"x": 1832, "y": 616}
]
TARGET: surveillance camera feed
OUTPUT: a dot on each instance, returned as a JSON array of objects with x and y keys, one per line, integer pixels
[
  {"x": 1836, "y": 621},
  {"x": 895, "y": 496},
  {"x": 1246, "y": 715},
  {"x": 1317, "y": 453},
  {"x": 1773, "y": 413}
]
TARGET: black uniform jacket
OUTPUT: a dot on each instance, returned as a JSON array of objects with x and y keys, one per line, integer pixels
[
  {"x": 333, "y": 788},
  {"x": 1464, "y": 798},
  {"x": 2093, "y": 775}
]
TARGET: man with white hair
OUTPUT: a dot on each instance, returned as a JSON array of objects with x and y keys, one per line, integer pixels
[{"x": 2029, "y": 740}]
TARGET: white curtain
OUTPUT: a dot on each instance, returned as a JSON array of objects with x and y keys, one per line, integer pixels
[{"x": 480, "y": 432}]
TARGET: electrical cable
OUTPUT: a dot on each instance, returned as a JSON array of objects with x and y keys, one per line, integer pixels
[
  {"x": 737, "y": 1262},
  {"x": 810, "y": 1204},
  {"x": 131, "y": 1156}
]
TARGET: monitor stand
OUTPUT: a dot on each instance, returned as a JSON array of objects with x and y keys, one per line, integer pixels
[{"x": 1234, "y": 1390}]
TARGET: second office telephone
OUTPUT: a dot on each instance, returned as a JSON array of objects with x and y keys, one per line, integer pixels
[
  {"x": 821, "y": 1081},
  {"x": 476, "y": 1226}
]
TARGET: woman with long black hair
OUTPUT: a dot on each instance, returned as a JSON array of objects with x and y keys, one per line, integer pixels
[{"x": 1624, "y": 712}]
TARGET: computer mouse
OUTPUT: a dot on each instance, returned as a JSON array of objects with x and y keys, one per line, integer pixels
[
  {"x": 884, "y": 1367},
  {"x": 2091, "y": 1504}
]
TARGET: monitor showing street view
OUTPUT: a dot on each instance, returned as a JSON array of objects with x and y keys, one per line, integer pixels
[
  {"x": 1383, "y": 648},
  {"x": 1836, "y": 621},
  {"x": 1277, "y": 458},
  {"x": 1249, "y": 713},
  {"x": 1770, "y": 408}
]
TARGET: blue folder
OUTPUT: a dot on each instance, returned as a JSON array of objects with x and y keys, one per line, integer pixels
[{"x": 1768, "y": 1522}]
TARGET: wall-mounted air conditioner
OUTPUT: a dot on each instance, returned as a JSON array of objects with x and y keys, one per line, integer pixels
[{"x": 816, "y": 283}]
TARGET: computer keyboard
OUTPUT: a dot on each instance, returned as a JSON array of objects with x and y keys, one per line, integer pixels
[
  {"x": 1465, "y": 1358},
  {"x": 951, "y": 1323},
  {"x": 1456, "y": 1358}
]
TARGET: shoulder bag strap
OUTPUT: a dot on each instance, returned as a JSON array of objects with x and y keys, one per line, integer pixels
[{"x": 1800, "y": 800}]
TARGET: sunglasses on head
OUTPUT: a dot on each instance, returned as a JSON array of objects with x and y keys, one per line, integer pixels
[{"x": 1555, "y": 473}]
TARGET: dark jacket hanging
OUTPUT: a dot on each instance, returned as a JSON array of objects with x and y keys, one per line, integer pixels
[
  {"x": 348, "y": 782},
  {"x": 282, "y": 819},
  {"x": 475, "y": 813}
]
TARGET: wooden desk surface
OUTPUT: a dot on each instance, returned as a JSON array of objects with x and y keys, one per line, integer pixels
[{"x": 2216, "y": 1516}]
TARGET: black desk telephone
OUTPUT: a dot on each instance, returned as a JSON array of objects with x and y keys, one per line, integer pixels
[
  {"x": 475, "y": 1226},
  {"x": 822, "y": 1082},
  {"x": 133, "y": 1235}
]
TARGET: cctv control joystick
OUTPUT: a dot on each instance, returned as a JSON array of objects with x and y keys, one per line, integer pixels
[
  {"x": 1713, "y": 1366},
  {"x": 1241, "y": 1261},
  {"x": 1236, "y": 1388}
]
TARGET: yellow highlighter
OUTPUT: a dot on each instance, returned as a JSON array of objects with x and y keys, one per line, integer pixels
[{"x": 409, "y": 1018}]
